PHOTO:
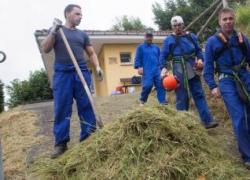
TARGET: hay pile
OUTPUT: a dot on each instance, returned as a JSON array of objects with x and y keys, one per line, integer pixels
[
  {"x": 18, "y": 133},
  {"x": 148, "y": 143}
]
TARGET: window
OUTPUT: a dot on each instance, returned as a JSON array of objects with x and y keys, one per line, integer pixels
[{"x": 125, "y": 58}]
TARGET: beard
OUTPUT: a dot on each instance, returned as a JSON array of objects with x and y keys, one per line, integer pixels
[{"x": 77, "y": 22}]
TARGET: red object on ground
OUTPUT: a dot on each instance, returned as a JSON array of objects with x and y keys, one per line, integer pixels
[
  {"x": 170, "y": 83},
  {"x": 120, "y": 89}
]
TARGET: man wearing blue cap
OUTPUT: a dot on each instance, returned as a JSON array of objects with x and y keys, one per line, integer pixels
[{"x": 148, "y": 65}]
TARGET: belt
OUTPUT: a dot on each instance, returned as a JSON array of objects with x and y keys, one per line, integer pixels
[
  {"x": 224, "y": 75},
  {"x": 178, "y": 59},
  {"x": 240, "y": 86}
]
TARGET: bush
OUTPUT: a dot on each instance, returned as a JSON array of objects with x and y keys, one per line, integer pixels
[
  {"x": 242, "y": 18},
  {"x": 36, "y": 88}
]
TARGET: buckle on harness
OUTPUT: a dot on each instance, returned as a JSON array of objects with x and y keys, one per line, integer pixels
[{"x": 223, "y": 75}]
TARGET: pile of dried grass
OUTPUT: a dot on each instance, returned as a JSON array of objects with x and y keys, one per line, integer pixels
[
  {"x": 148, "y": 143},
  {"x": 18, "y": 134}
]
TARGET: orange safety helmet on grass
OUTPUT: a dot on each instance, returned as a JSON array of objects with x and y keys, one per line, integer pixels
[{"x": 169, "y": 82}]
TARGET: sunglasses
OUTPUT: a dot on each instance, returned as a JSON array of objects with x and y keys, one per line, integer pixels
[{"x": 177, "y": 25}]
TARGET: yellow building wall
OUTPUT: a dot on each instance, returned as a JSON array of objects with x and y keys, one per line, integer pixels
[
  {"x": 114, "y": 70},
  {"x": 100, "y": 87}
]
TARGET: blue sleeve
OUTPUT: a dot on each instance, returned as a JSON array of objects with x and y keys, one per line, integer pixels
[
  {"x": 198, "y": 50},
  {"x": 138, "y": 58},
  {"x": 208, "y": 72},
  {"x": 159, "y": 53},
  {"x": 165, "y": 51}
]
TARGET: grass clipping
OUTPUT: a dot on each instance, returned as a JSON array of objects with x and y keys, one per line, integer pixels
[
  {"x": 148, "y": 143},
  {"x": 18, "y": 134}
]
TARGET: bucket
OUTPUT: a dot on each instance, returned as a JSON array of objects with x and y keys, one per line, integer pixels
[{"x": 131, "y": 90}]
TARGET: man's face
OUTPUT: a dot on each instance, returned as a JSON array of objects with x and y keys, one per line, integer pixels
[
  {"x": 149, "y": 39},
  {"x": 75, "y": 16},
  {"x": 178, "y": 28},
  {"x": 226, "y": 22}
]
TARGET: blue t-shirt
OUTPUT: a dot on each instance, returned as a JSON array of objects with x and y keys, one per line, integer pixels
[{"x": 78, "y": 41}]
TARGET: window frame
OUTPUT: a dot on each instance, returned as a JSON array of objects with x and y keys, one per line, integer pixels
[{"x": 126, "y": 63}]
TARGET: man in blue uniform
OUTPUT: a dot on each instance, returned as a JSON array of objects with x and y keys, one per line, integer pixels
[
  {"x": 66, "y": 83},
  {"x": 228, "y": 52},
  {"x": 148, "y": 65},
  {"x": 182, "y": 47}
]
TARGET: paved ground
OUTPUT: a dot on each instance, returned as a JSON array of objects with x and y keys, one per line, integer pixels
[{"x": 108, "y": 108}]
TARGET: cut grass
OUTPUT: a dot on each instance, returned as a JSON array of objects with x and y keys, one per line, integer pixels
[
  {"x": 18, "y": 134},
  {"x": 148, "y": 143}
]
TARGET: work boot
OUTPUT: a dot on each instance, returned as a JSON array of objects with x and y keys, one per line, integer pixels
[
  {"x": 247, "y": 165},
  {"x": 164, "y": 104},
  {"x": 141, "y": 103},
  {"x": 59, "y": 150},
  {"x": 212, "y": 124}
]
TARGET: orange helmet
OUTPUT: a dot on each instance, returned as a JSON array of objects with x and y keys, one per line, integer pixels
[{"x": 169, "y": 82}]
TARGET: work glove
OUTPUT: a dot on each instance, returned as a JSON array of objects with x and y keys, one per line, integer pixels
[
  {"x": 164, "y": 72},
  {"x": 140, "y": 71},
  {"x": 199, "y": 64},
  {"x": 57, "y": 23},
  {"x": 99, "y": 73},
  {"x": 216, "y": 92}
]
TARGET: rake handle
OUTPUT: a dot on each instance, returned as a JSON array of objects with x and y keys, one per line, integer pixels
[{"x": 79, "y": 72}]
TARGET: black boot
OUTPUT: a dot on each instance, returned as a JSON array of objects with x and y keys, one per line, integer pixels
[
  {"x": 247, "y": 165},
  {"x": 59, "y": 150},
  {"x": 212, "y": 124}
]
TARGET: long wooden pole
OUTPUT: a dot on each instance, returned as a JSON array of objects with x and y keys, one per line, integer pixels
[
  {"x": 202, "y": 14},
  {"x": 79, "y": 72},
  {"x": 209, "y": 19}
]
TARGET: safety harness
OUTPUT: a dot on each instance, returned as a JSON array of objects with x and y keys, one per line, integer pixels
[
  {"x": 183, "y": 59},
  {"x": 243, "y": 93}
]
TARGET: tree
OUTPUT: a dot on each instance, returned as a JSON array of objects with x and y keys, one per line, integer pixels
[
  {"x": 188, "y": 9},
  {"x": 36, "y": 88},
  {"x": 39, "y": 84},
  {"x": 126, "y": 23},
  {"x": 171, "y": 8},
  {"x": 1, "y": 97},
  {"x": 242, "y": 18}
]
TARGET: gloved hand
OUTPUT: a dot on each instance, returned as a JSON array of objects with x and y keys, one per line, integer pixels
[
  {"x": 57, "y": 23},
  {"x": 216, "y": 92},
  {"x": 164, "y": 72},
  {"x": 199, "y": 64},
  {"x": 99, "y": 73},
  {"x": 140, "y": 71}
]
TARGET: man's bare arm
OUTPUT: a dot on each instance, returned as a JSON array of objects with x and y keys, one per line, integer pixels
[
  {"x": 48, "y": 43},
  {"x": 92, "y": 55},
  {"x": 94, "y": 60}
]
